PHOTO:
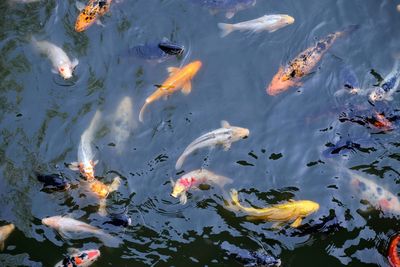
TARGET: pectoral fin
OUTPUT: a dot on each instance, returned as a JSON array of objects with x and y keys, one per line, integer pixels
[
  {"x": 183, "y": 198},
  {"x": 225, "y": 124},
  {"x": 115, "y": 184},
  {"x": 229, "y": 14},
  {"x": 296, "y": 223},
  {"x": 227, "y": 146},
  {"x": 172, "y": 70},
  {"x": 73, "y": 166},
  {"x": 80, "y": 6},
  {"x": 277, "y": 225},
  {"x": 187, "y": 88}
]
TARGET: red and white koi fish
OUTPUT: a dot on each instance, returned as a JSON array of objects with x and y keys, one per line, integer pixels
[
  {"x": 193, "y": 179},
  {"x": 79, "y": 258},
  {"x": 61, "y": 62}
]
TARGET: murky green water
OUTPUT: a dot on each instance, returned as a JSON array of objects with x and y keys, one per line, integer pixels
[{"x": 42, "y": 118}]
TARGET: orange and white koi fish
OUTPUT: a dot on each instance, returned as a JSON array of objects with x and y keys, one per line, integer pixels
[
  {"x": 179, "y": 78},
  {"x": 5, "y": 232},
  {"x": 86, "y": 162},
  {"x": 59, "y": 59},
  {"x": 89, "y": 14},
  {"x": 303, "y": 64},
  {"x": 101, "y": 190}
]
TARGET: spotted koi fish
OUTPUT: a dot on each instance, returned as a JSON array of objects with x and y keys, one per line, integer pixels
[
  {"x": 304, "y": 63},
  {"x": 93, "y": 10}
]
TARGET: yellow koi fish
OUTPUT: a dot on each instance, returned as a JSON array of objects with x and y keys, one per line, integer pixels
[
  {"x": 304, "y": 63},
  {"x": 292, "y": 211},
  {"x": 179, "y": 78}
]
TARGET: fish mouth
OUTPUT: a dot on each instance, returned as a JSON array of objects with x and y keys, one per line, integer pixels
[{"x": 175, "y": 195}]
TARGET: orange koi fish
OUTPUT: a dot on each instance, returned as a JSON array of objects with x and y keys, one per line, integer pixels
[
  {"x": 382, "y": 122},
  {"x": 179, "y": 78},
  {"x": 393, "y": 255},
  {"x": 93, "y": 10},
  {"x": 303, "y": 64}
]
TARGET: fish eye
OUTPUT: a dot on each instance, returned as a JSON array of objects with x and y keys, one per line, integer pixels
[{"x": 61, "y": 69}]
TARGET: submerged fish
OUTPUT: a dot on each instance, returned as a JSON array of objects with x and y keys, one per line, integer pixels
[
  {"x": 119, "y": 220},
  {"x": 230, "y": 7},
  {"x": 349, "y": 82},
  {"x": 269, "y": 23},
  {"x": 348, "y": 145},
  {"x": 303, "y": 64},
  {"x": 102, "y": 190},
  {"x": 388, "y": 86},
  {"x": 86, "y": 162},
  {"x": 195, "y": 178},
  {"x": 61, "y": 62},
  {"x": 393, "y": 254},
  {"x": 123, "y": 123},
  {"x": 251, "y": 258},
  {"x": 80, "y": 258},
  {"x": 66, "y": 226},
  {"x": 157, "y": 51},
  {"x": 377, "y": 196},
  {"x": 89, "y": 14},
  {"x": 224, "y": 136},
  {"x": 179, "y": 78},
  {"x": 53, "y": 181},
  {"x": 5, "y": 232},
  {"x": 292, "y": 211}
]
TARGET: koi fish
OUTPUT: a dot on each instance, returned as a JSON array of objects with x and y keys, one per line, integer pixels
[
  {"x": 393, "y": 255},
  {"x": 123, "y": 123},
  {"x": 224, "y": 136},
  {"x": 231, "y": 7},
  {"x": 60, "y": 60},
  {"x": 102, "y": 190},
  {"x": 377, "y": 196},
  {"x": 85, "y": 164},
  {"x": 179, "y": 78},
  {"x": 53, "y": 181},
  {"x": 119, "y": 220},
  {"x": 352, "y": 145},
  {"x": 381, "y": 122},
  {"x": 79, "y": 258},
  {"x": 303, "y": 64},
  {"x": 158, "y": 52},
  {"x": 269, "y": 23},
  {"x": 349, "y": 81},
  {"x": 5, "y": 232},
  {"x": 292, "y": 211},
  {"x": 251, "y": 258},
  {"x": 193, "y": 179},
  {"x": 388, "y": 86},
  {"x": 93, "y": 10},
  {"x": 66, "y": 226}
]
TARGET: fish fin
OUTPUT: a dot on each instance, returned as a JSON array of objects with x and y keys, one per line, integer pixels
[
  {"x": 225, "y": 124},
  {"x": 172, "y": 182},
  {"x": 172, "y": 70},
  {"x": 79, "y": 5},
  {"x": 89, "y": 227},
  {"x": 99, "y": 23},
  {"x": 183, "y": 198},
  {"x": 142, "y": 111},
  {"x": 72, "y": 250},
  {"x": 74, "y": 63},
  {"x": 297, "y": 222},
  {"x": 95, "y": 162},
  {"x": 54, "y": 71},
  {"x": 229, "y": 14},
  {"x": 74, "y": 166},
  {"x": 179, "y": 162},
  {"x": 2, "y": 246},
  {"x": 226, "y": 29},
  {"x": 115, "y": 184},
  {"x": 277, "y": 225},
  {"x": 227, "y": 146},
  {"x": 389, "y": 98},
  {"x": 102, "y": 211},
  {"x": 234, "y": 197},
  {"x": 64, "y": 235},
  {"x": 187, "y": 88}
]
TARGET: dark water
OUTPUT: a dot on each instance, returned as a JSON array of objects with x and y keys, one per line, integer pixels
[{"x": 42, "y": 118}]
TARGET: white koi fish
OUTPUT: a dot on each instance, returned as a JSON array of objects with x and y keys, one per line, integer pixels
[
  {"x": 5, "y": 232},
  {"x": 388, "y": 86},
  {"x": 193, "y": 179},
  {"x": 269, "y": 23},
  {"x": 66, "y": 226},
  {"x": 224, "y": 136},
  {"x": 60, "y": 60},
  {"x": 86, "y": 161},
  {"x": 377, "y": 196},
  {"x": 123, "y": 123}
]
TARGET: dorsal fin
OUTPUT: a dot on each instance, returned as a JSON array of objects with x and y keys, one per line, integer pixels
[
  {"x": 225, "y": 124},
  {"x": 172, "y": 70}
]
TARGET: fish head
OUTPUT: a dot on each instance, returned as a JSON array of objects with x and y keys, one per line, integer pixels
[
  {"x": 280, "y": 83},
  {"x": 65, "y": 70},
  {"x": 99, "y": 188},
  {"x": 87, "y": 169},
  {"x": 52, "y": 222},
  {"x": 377, "y": 95},
  {"x": 240, "y": 133},
  {"x": 178, "y": 190},
  {"x": 308, "y": 207},
  {"x": 86, "y": 258},
  {"x": 194, "y": 67},
  {"x": 182, "y": 185},
  {"x": 286, "y": 20},
  {"x": 171, "y": 48}
]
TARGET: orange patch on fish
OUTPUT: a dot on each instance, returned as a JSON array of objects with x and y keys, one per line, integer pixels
[
  {"x": 382, "y": 122},
  {"x": 93, "y": 10},
  {"x": 100, "y": 189}
]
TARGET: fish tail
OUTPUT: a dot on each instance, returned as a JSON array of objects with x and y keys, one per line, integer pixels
[
  {"x": 180, "y": 161},
  {"x": 109, "y": 240},
  {"x": 142, "y": 110},
  {"x": 235, "y": 197},
  {"x": 226, "y": 28},
  {"x": 222, "y": 181},
  {"x": 349, "y": 30}
]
